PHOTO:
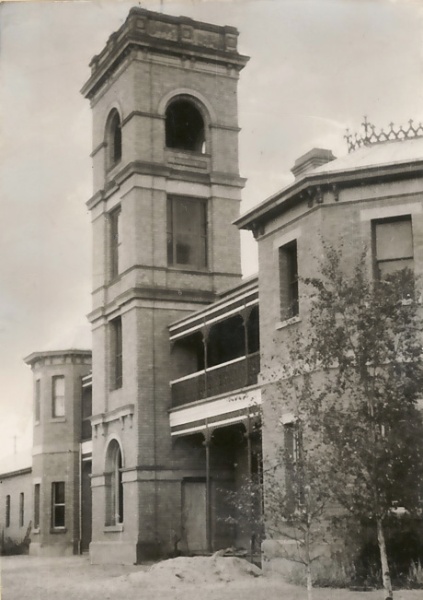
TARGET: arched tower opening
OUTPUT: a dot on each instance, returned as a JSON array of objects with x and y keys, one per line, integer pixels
[
  {"x": 113, "y": 139},
  {"x": 114, "y": 484},
  {"x": 185, "y": 128}
]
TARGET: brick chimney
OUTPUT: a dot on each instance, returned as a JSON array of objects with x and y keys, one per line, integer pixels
[{"x": 311, "y": 160}]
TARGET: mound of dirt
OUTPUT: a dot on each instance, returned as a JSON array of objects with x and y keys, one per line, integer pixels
[{"x": 195, "y": 570}]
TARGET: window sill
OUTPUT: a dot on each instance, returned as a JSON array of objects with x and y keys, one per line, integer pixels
[
  {"x": 58, "y": 530},
  {"x": 113, "y": 166},
  {"x": 188, "y": 269},
  {"x": 113, "y": 528},
  {"x": 115, "y": 388},
  {"x": 114, "y": 279},
  {"x": 36, "y": 531},
  {"x": 58, "y": 420},
  {"x": 288, "y": 322}
]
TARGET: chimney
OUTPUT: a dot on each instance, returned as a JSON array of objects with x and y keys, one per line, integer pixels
[{"x": 311, "y": 160}]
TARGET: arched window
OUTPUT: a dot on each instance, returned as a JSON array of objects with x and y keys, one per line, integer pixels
[
  {"x": 184, "y": 126},
  {"x": 113, "y": 139},
  {"x": 114, "y": 485}
]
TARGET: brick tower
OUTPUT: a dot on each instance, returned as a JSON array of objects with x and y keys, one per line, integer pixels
[
  {"x": 57, "y": 374},
  {"x": 163, "y": 94}
]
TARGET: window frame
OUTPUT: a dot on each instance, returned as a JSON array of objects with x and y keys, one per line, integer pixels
[
  {"x": 293, "y": 448},
  {"x": 37, "y": 401},
  {"x": 8, "y": 510},
  {"x": 114, "y": 486},
  {"x": 37, "y": 505},
  {"x": 112, "y": 142},
  {"x": 55, "y": 504},
  {"x": 289, "y": 299},
  {"x": 196, "y": 147},
  {"x": 175, "y": 234},
  {"x": 116, "y": 353},
  {"x": 21, "y": 509},
  {"x": 377, "y": 261},
  {"x": 115, "y": 224},
  {"x": 55, "y": 414}
]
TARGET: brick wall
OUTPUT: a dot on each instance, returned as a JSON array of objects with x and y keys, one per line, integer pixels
[{"x": 12, "y": 485}]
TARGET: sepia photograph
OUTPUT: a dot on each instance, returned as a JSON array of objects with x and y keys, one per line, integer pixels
[{"x": 211, "y": 299}]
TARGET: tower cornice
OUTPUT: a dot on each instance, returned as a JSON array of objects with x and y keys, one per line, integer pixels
[{"x": 161, "y": 34}]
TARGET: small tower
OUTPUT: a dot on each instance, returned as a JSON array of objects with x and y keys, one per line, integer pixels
[
  {"x": 57, "y": 376},
  {"x": 167, "y": 188}
]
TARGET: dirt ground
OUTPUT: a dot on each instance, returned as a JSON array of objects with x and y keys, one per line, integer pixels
[{"x": 31, "y": 578}]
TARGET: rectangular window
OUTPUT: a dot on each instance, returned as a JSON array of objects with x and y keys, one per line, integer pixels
[
  {"x": 115, "y": 242},
  {"x": 37, "y": 401},
  {"x": 393, "y": 245},
  {"x": 288, "y": 281},
  {"x": 37, "y": 506},
  {"x": 58, "y": 400},
  {"x": 293, "y": 465},
  {"x": 116, "y": 353},
  {"x": 187, "y": 232},
  {"x": 58, "y": 504},
  {"x": 21, "y": 509},
  {"x": 7, "y": 511},
  {"x": 86, "y": 412}
]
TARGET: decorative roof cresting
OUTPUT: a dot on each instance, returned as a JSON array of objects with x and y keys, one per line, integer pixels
[{"x": 372, "y": 136}]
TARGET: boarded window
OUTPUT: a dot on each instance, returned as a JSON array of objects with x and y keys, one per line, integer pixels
[
  {"x": 393, "y": 245},
  {"x": 58, "y": 504},
  {"x": 58, "y": 401},
  {"x": 288, "y": 281},
  {"x": 187, "y": 232}
]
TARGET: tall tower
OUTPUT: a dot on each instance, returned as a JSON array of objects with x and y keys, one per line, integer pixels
[{"x": 167, "y": 188}]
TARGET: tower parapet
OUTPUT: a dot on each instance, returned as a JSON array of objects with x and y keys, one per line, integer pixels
[{"x": 157, "y": 33}]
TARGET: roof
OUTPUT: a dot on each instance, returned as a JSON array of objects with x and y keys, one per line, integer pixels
[
  {"x": 385, "y": 153},
  {"x": 230, "y": 302},
  {"x": 76, "y": 340},
  {"x": 391, "y": 159},
  {"x": 14, "y": 463}
]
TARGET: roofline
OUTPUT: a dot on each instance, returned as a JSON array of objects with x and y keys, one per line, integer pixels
[
  {"x": 31, "y": 358},
  {"x": 227, "y": 298},
  {"x": 16, "y": 473},
  {"x": 283, "y": 199},
  {"x": 129, "y": 36}
]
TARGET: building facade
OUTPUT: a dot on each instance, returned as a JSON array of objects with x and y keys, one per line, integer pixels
[
  {"x": 47, "y": 498},
  {"x": 367, "y": 201},
  {"x": 171, "y": 438},
  {"x": 163, "y": 94}
]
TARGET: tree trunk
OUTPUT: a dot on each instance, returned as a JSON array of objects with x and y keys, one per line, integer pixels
[
  {"x": 309, "y": 582},
  {"x": 308, "y": 563},
  {"x": 386, "y": 576}
]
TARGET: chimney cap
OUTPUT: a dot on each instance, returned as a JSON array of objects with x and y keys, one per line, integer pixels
[{"x": 311, "y": 160}]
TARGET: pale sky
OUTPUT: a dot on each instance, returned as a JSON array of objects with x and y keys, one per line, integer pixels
[{"x": 317, "y": 66}]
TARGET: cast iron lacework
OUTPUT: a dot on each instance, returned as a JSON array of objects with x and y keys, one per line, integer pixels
[{"x": 372, "y": 136}]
